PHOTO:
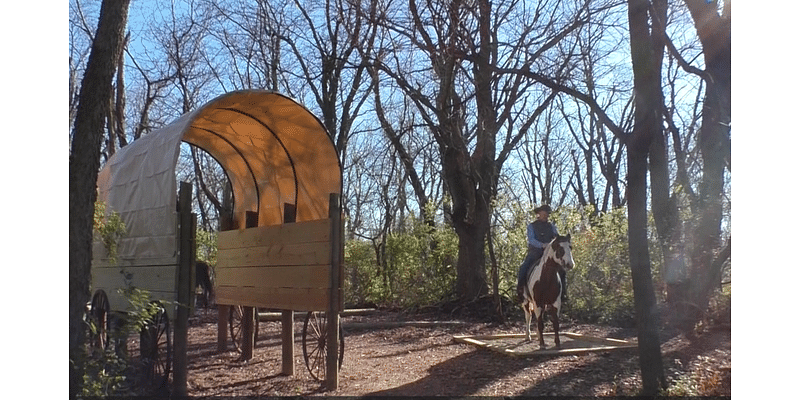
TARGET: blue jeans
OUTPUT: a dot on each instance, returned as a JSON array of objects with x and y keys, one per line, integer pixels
[{"x": 534, "y": 254}]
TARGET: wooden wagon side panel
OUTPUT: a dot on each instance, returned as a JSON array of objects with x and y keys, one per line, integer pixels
[{"x": 280, "y": 266}]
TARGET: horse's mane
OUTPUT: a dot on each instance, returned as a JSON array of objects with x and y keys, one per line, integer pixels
[{"x": 549, "y": 251}]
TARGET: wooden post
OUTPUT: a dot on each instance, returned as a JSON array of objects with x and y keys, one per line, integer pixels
[
  {"x": 185, "y": 289},
  {"x": 287, "y": 342},
  {"x": 248, "y": 333},
  {"x": 226, "y": 223},
  {"x": 222, "y": 327},
  {"x": 287, "y": 316},
  {"x": 335, "y": 304},
  {"x": 248, "y": 313}
]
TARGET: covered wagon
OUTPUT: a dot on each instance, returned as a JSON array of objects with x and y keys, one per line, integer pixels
[{"x": 281, "y": 247}]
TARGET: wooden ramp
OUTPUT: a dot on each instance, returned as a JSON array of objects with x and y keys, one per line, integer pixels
[{"x": 571, "y": 343}]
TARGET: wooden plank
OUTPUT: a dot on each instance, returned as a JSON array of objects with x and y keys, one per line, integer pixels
[
  {"x": 308, "y": 276},
  {"x": 581, "y": 344},
  {"x": 480, "y": 343},
  {"x": 313, "y": 253},
  {"x": 572, "y": 335},
  {"x": 608, "y": 341},
  {"x": 297, "y": 299},
  {"x": 299, "y": 232}
]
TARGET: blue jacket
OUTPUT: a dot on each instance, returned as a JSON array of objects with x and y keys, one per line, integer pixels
[{"x": 541, "y": 233}]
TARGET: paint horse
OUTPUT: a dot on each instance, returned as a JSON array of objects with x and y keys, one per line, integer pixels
[{"x": 543, "y": 288}]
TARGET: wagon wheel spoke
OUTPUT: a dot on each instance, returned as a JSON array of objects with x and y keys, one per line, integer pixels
[
  {"x": 255, "y": 327},
  {"x": 99, "y": 315},
  {"x": 235, "y": 324},
  {"x": 155, "y": 345},
  {"x": 314, "y": 344}
]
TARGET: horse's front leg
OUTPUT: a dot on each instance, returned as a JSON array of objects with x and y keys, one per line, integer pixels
[
  {"x": 540, "y": 328},
  {"x": 526, "y": 308},
  {"x": 554, "y": 318}
]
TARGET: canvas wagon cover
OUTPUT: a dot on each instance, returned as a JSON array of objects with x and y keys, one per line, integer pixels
[{"x": 272, "y": 148}]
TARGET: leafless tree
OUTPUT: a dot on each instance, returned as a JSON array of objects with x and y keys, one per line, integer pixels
[
  {"x": 646, "y": 54},
  {"x": 448, "y": 60},
  {"x": 84, "y": 163},
  {"x": 713, "y": 28}
]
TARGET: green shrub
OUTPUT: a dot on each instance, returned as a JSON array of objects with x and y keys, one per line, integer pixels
[
  {"x": 599, "y": 287},
  {"x": 510, "y": 244},
  {"x": 109, "y": 371},
  {"x": 418, "y": 267},
  {"x": 361, "y": 282},
  {"x": 108, "y": 229},
  {"x": 206, "y": 246},
  {"x": 419, "y": 264}
]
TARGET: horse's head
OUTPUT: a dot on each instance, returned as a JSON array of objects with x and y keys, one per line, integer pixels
[{"x": 562, "y": 246}]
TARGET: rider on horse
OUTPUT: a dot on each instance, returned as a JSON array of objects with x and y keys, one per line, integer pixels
[{"x": 540, "y": 233}]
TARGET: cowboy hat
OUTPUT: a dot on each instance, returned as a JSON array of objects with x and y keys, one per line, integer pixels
[{"x": 543, "y": 207}]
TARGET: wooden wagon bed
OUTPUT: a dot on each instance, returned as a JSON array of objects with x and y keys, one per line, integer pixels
[{"x": 571, "y": 343}]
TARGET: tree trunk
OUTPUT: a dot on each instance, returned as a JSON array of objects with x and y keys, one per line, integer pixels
[
  {"x": 471, "y": 279},
  {"x": 714, "y": 140},
  {"x": 647, "y": 123},
  {"x": 668, "y": 224},
  {"x": 84, "y": 163},
  {"x": 470, "y": 219},
  {"x": 647, "y": 319},
  {"x": 665, "y": 208}
]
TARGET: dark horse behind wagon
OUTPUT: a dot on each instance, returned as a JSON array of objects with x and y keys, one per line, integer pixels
[{"x": 205, "y": 285}]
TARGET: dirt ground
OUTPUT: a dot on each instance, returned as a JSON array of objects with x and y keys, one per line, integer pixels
[{"x": 414, "y": 360}]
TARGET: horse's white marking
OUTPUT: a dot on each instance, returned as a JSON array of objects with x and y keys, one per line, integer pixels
[{"x": 529, "y": 304}]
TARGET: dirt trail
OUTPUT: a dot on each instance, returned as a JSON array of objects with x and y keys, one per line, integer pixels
[{"x": 423, "y": 359}]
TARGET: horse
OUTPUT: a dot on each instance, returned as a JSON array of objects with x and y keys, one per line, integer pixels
[
  {"x": 543, "y": 289},
  {"x": 204, "y": 282}
]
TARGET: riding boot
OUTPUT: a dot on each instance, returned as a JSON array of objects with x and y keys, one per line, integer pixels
[{"x": 520, "y": 292}]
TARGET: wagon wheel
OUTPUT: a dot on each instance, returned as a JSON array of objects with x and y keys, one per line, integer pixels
[
  {"x": 235, "y": 323},
  {"x": 99, "y": 316},
  {"x": 314, "y": 350},
  {"x": 155, "y": 346}
]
